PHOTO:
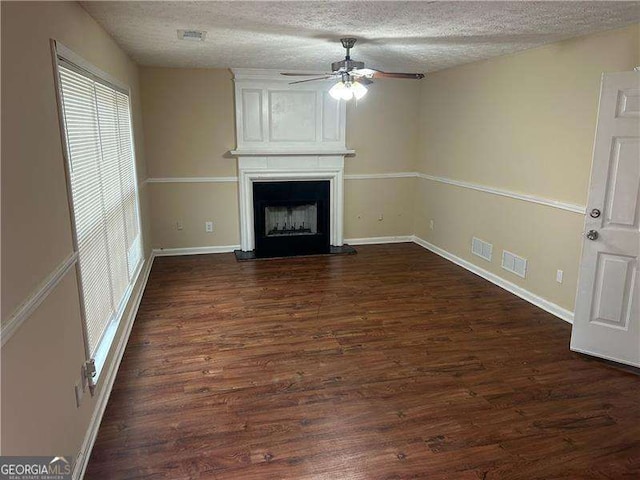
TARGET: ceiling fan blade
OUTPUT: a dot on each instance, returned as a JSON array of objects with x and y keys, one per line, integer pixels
[
  {"x": 363, "y": 72},
  {"x": 379, "y": 74},
  {"x": 312, "y": 79},
  {"x": 290, "y": 74}
]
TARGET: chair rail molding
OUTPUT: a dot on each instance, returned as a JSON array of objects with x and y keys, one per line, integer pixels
[
  {"x": 525, "y": 197},
  {"x": 191, "y": 180},
  {"x": 24, "y": 311}
]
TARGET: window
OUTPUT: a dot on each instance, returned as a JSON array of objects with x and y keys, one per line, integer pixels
[{"x": 96, "y": 119}]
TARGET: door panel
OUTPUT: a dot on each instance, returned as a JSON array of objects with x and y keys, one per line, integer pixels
[
  {"x": 628, "y": 103},
  {"x": 613, "y": 290},
  {"x": 624, "y": 178},
  {"x": 607, "y": 314}
]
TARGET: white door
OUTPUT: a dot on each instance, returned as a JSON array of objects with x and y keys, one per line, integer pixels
[{"x": 607, "y": 316}]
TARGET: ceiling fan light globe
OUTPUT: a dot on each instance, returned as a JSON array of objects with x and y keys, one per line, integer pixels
[
  {"x": 336, "y": 90},
  {"x": 359, "y": 90},
  {"x": 346, "y": 93}
]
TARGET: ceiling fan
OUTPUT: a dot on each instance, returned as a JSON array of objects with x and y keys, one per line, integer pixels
[{"x": 352, "y": 75}]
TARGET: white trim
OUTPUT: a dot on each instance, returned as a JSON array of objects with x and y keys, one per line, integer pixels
[
  {"x": 378, "y": 240},
  {"x": 25, "y": 310},
  {"x": 356, "y": 176},
  {"x": 171, "y": 252},
  {"x": 105, "y": 392},
  {"x": 371, "y": 176},
  {"x": 570, "y": 207},
  {"x": 70, "y": 56},
  {"x": 192, "y": 180},
  {"x": 282, "y": 152},
  {"x": 546, "y": 305}
]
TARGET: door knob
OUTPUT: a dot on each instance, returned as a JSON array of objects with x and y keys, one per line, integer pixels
[{"x": 592, "y": 235}]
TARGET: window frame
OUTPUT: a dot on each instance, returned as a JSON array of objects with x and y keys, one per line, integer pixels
[{"x": 70, "y": 60}]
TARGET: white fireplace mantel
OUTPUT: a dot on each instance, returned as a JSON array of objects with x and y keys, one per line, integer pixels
[
  {"x": 287, "y": 132},
  {"x": 293, "y": 168}
]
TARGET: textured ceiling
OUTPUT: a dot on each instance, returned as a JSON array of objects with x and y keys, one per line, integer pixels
[{"x": 394, "y": 36}]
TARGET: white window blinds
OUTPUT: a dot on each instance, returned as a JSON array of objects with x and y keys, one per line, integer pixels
[{"x": 101, "y": 165}]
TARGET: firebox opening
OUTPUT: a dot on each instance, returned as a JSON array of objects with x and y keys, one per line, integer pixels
[{"x": 291, "y": 218}]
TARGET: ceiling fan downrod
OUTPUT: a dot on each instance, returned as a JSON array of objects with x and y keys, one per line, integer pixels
[{"x": 348, "y": 44}]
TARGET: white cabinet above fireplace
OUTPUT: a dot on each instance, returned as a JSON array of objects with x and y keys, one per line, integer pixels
[{"x": 274, "y": 117}]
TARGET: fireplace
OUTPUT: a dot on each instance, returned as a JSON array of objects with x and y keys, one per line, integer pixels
[
  {"x": 291, "y": 218},
  {"x": 291, "y": 152}
]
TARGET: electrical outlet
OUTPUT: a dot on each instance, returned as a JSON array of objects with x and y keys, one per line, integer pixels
[
  {"x": 179, "y": 225},
  {"x": 208, "y": 227},
  {"x": 559, "y": 275},
  {"x": 431, "y": 224}
]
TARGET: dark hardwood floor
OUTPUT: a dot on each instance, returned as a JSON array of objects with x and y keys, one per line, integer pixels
[{"x": 390, "y": 364}]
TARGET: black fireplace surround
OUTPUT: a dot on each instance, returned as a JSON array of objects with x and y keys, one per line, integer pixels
[{"x": 291, "y": 218}]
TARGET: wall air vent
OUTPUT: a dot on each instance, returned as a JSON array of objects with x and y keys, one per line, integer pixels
[
  {"x": 192, "y": 35},
  {"x": 481, "y": 248},
  {"x": 514, "y": 263}
]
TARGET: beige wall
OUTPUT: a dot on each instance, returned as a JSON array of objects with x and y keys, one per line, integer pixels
[
  {"x": 523, "y": 123},
  {"x": 189, "y": 126},
  {"x": 189, "y": 122},
  {"x": 193, "y": 204},
  {"x": 383, "y": 128},
  {"x": 41, "y": 362},
  {"x": 378, "y": 207}
]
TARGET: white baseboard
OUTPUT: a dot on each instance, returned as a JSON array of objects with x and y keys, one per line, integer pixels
[
  {"x": 544, "y": 304},
  {"x": 103, "y": 397},
  {"x": 170, "y": 252},
  {"x": 378, "y": 240}
]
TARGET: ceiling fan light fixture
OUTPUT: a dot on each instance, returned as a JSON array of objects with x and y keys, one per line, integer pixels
[{"x": 348, "y": 90}]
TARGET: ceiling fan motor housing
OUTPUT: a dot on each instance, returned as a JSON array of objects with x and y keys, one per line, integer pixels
[
  {"x": 348, "y": 42},
  {"x": 346, "y": 65}
]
